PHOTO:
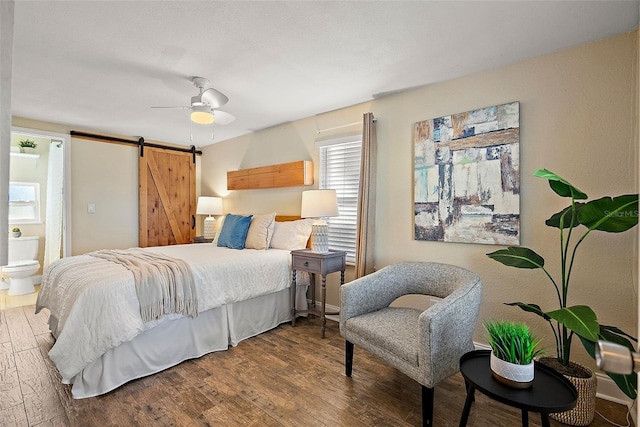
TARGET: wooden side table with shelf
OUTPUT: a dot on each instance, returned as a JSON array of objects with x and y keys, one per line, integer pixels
[{"x": 316, "y": 263}]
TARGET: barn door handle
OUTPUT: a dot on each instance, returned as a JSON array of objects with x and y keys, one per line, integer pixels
[{"x": 193, "y": 222}]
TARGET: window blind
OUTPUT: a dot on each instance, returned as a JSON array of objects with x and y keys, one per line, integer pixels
[{"x": 340, "y": 171}]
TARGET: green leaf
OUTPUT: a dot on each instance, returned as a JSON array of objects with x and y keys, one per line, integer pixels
[
  {"x": 612, "y": 333},
  {"x": 561, "y": 186},
  {"x": 626, "y": 383},
  {"x": 531, "y": 308},
  {"x": 613, "y": 215},
  {"x": 580, "y": 319},
  {"x": 589, "y": 346},
  {"x": 519, "y": 257},
  {"x": 554, "y": 221}
]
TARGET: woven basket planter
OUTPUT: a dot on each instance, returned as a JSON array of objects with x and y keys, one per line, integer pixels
[{"x": 585, "y": 408}]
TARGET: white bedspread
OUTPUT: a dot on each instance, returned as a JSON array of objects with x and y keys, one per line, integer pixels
[{"x": 97, "y": 309}]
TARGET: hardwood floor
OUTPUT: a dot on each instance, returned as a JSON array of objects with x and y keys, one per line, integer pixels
[{"x": 285, "y": 377}]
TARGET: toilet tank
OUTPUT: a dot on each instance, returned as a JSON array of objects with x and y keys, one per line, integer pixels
[{"x": 23, "y": 248}]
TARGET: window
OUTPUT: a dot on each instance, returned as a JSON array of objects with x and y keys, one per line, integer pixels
[
  {"x": 340, "y": 171},
  {"x": 24, "y": 203}
]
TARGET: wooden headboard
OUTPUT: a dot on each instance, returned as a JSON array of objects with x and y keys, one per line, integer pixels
[{"x": 282, "y": 218}]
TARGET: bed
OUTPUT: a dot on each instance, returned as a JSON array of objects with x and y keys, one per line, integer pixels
[{"x": 102, "y": 341}]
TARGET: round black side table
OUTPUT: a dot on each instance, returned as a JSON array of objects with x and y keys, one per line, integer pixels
[{"x": 550, "y": 391}]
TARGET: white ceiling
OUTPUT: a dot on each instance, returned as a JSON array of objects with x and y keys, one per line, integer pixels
[{"x": 101, "y": 65}]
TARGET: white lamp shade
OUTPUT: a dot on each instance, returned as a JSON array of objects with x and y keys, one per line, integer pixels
[
  {"x": 209, "y": 206},
  {"x": 316, "y": 204},
  {"x": 319, "y": 203}
]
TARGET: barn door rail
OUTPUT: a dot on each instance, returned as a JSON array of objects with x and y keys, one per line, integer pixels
[{"x": 141, "y": 143}]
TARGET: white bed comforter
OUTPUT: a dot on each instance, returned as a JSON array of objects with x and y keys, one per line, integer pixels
[{"x": 96, "y": 309}]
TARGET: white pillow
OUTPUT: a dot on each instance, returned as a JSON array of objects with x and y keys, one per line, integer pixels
[
  {"x": 291, "y": 235},
  {"x": 218, "y": 228},
  {"x": 260, "y": 231}
]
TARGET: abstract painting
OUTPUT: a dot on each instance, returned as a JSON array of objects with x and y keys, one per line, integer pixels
[{"x": 467, "y": 178}]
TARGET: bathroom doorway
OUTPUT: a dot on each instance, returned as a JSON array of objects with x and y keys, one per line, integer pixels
[{"x": 40, "y": 164}]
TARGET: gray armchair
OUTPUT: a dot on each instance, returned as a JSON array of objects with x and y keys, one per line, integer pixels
[{"x": 424, "y": 345}]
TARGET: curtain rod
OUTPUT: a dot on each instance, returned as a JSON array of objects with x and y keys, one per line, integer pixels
[
  {"x": 342, "y": 126},
  {"x": 140, "y": 142},
  {"x": 339, "y": 127}
]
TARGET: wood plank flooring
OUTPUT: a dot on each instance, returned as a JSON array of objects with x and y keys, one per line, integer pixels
[{"x": 285, "y": 377}]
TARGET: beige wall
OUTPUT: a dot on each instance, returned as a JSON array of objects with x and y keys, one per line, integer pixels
[
  {"x": 577, "y": 118},
  {"x": 105, "y": 175}
]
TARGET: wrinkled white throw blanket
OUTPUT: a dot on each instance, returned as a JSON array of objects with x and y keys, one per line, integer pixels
[{"x": 163, "y": 284}]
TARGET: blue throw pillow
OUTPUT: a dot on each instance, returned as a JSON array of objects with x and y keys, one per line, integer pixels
[{"x": 234, "y": 231}]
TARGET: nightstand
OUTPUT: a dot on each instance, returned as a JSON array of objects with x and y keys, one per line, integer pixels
[
  {"x": 201, "y": 239},
  {"x": 316, "y": 263}
]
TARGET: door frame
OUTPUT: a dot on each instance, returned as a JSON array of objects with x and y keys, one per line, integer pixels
[{"x": 66, "y": 214}]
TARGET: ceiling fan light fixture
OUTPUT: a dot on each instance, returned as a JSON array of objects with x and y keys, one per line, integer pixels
[{"x": 201, "y": 115}]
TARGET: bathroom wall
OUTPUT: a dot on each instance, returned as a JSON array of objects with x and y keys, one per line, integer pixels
[{"x": 24, "y": 169}]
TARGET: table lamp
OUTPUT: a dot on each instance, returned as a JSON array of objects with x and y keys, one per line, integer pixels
[
  {"x": 209, "y": 206},
  {"x": 317, "y": 204}
]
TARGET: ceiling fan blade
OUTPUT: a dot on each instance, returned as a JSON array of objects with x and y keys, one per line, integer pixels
[
  {"x": 223, "y": 118},
  {"x": 175, "y": 108},
  {"x": 214, "y": 98}
]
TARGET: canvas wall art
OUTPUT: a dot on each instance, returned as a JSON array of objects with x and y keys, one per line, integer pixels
[{"x": 467, "y": 178}]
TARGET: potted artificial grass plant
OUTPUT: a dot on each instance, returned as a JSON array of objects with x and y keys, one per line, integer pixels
[
  {"x": 608, "y": 214},
  {"x": 513, "y": 349}
]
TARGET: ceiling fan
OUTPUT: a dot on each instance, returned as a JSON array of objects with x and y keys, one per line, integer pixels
[{"x": 204, "y": 105}]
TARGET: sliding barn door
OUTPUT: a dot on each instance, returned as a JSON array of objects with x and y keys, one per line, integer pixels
[{"x": 167, "y": 197}]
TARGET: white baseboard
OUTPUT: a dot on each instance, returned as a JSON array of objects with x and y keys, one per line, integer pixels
[
  {"x": 328, "y": 307},
  {"x": 607, "y": 388}
]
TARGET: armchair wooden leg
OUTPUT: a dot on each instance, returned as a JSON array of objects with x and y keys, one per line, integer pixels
[
  {"x": 348, "y": 358},
  {"x": 427, "y": 406}
]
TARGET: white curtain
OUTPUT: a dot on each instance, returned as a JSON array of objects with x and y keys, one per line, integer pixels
[
  {"x": 367, "y": 198},
  {"x": 55, "y": 200}
]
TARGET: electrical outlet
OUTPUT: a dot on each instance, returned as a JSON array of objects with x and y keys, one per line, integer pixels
[{"x": 91, "y": 208}]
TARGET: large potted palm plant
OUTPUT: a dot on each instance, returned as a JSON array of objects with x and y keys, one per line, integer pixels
[{"x": 575, "y": 223}]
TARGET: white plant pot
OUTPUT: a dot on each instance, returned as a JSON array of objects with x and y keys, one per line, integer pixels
[{"x": 511, "y": 374}]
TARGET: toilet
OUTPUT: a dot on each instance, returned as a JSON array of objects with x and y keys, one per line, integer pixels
[{"x": 23, "y": 264}]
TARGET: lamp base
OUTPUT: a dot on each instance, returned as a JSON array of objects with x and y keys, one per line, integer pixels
[
  {"x": 209, "y": 227},
  {"x": 320, "y": 237}
]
